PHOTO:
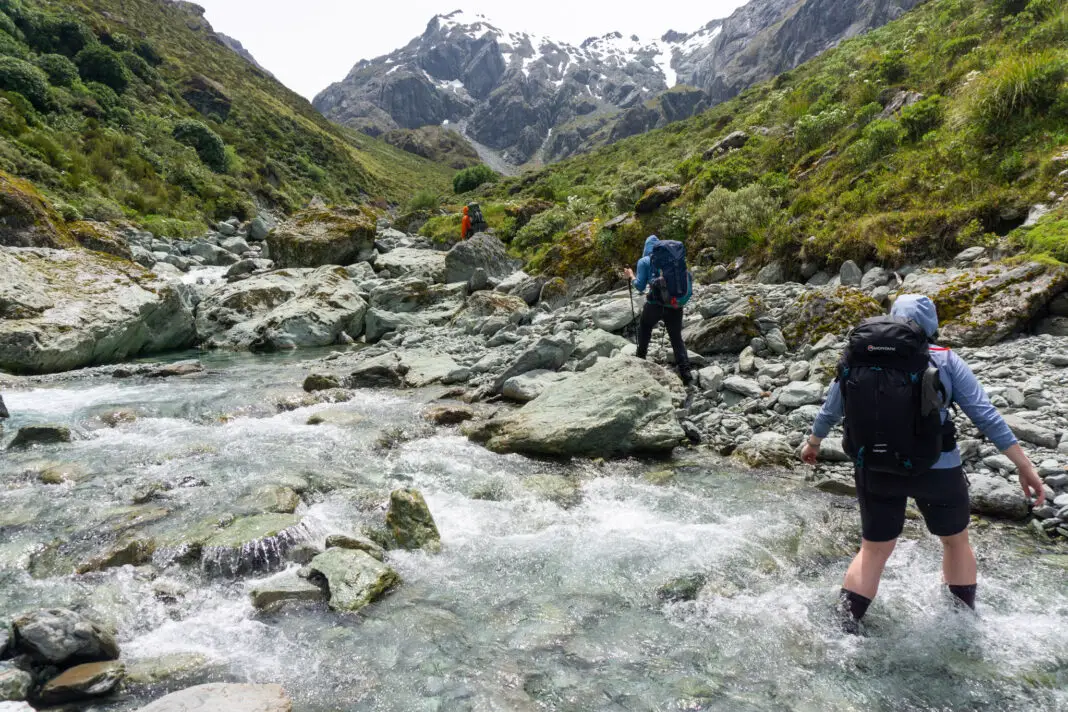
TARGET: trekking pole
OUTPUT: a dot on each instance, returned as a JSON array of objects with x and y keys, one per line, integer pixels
[{"x": 633, "y": 316}]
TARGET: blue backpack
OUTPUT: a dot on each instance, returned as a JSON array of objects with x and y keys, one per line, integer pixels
[{"x": 671, "y": 280}]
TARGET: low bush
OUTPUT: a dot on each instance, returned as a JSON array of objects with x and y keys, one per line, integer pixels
[
  {"x": 923, "y": 117},
  {"x": 470, "y": 178},
  {"x": 208, "y": 145},
  {"x": 98, "y": 63},
  {"x": 23, "y": 78},
  {"x": 424, "y": 200},
  {"x": 61, "y": 71},
  {"x": 1017, "y": 85},
  {"x": 813, "y": 129},
  {"x": 732, "y": 222}
]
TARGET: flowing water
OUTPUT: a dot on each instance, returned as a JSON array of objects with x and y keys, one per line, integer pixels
[{"x": 535, "y": 603}]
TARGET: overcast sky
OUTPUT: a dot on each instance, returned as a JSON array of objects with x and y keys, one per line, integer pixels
[{"x": 309, "y": 44}]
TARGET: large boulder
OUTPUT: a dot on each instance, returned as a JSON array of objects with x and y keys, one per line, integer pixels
[
  {"x": 378, "y": 323},
  {"x": 481, "y": 251},
  {"x": 355, "y": 578},
  {"x": 522, "y": 285},
  {"x": 546, "y": 354},
  {"x": 656, "y": 196},
  {"x": 217, "y": 697},
  {"x": 982, "y": 306},
  {"x": 413, "y": 294},
  {"x": 285, "y": 309},
  {"x": 62, "y": 637},
  {"x": 26, "y": 219},
  {"x": 766, "y": 449},
  {"x": 618, "y": 407},
  {"x": 318, "y": 237},
  {"x": 32, "y": 435},
  {"x": 67, "y": 309},
  {"x": 410, "y": 521},
  {"x": 600, "y": 342},
  {"x": 994, "y": 496},
  {"x": 618, "y": 314},
  {"x": 418, "y": 264},
  {"x": 83, "y": 682},
  {"x": 828, "y": 310},
  {"x": 728, "y": 334}
]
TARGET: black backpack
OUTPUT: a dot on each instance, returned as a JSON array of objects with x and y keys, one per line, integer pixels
[
  {"x": 478, "y": 223},
  {"x": 671, "y": 280},
  {"x": 893, "y": 398}
]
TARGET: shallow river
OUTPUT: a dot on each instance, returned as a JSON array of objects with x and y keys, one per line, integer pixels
[{"x": 535, "y": 603}]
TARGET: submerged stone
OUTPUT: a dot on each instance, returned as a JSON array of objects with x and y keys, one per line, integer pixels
[
  {"x": 256, "y": 543},
  {"x": 284, "y": 588},
  {"x": 219, "y": 697},
  {"x": 355, "y": 578},
  {"x": 684, "y": 588},
  {"x": 40, "y": 435}
]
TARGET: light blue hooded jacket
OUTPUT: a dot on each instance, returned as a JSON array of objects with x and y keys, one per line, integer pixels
[
  {"x": 960, "y": 383},
  {"x": 644, "y": 273}
]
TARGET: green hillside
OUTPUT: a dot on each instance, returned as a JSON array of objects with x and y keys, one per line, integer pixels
[
  {"x": 823, "y": 177},
  {"x": 132, "y": 109}
]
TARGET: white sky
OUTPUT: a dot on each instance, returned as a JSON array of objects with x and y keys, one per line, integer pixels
[{"x": 309, "y": 44}]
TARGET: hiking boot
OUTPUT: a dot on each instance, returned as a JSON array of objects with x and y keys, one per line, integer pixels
[{"x": 686, "y": 375}]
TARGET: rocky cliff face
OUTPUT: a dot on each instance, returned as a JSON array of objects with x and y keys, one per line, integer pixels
[{"x": 535, "y": 99}]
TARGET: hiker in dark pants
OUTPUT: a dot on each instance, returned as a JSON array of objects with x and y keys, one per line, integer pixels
[
  {"x": 672, "y": 287},
  {"x": 894, "y": 390}
]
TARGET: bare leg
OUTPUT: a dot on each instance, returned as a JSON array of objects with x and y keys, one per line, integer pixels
[
  {"x": 958, "y": 560},
  {"x": 867, "y": 568}
]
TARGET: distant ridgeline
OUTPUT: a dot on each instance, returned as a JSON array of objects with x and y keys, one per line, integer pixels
[
  {"x": 945, "y": 129},
  {"x": 136, "y": 110}
]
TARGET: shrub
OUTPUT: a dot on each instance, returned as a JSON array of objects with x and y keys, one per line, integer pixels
[
  {"x": 60, "y": 70},
  {"x": 139, "y": 67},
  {"x": 543, "y": 226},
  {"x": 23, "y": 78},
  {"x": 879, "y": 138},
  {"x": 867, "y": 113},
  {"x": 733, "y": 221},
  {"x": 960, "y": 46},
  {"x": 148, "y": 52},
  {"x": 892, "y": 68},
  {"x": 1009, "y": 7},
  {"x": 208, "y": 145},
  {"x": 470, "y": 178},
  {"x": 57, "y": 35},
  {"x": 98, "y": 63},
  {"x": 922, "y": 117},
  {"x": 424, "y": 200},
  {"x": 1018, "y": 85},
  {"x": 813, "y": 129},
  {"x": 11, "y": 47}
]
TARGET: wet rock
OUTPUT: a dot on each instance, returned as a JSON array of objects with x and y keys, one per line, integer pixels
[
  {"x": 356, "y": 543},
  {"x": 618, "y": 407},
  {"x": 996, "y": 497},
  {"x": 219, "y": 697},
  {"x": 728, "y": 334},
  {"x": 83, "y": 682},
  {"x": 528, "y": 386},
  {"x": 284, "y": 588},
  {"x": 15, "y": 684},
  {"x": 319, "y": 237},
  {"x": 410, "y": 521},
  {"x": 134, "y": 551},
  {"x": 766, "y": 449},
  {"x": 846, "y": 488},
  {"x": 254, "y": 543},
  {"x": 32, "y": 435},
  {"x": 63, "y": 637},
  {"x": 337, "y": 417},
  {"x": 558, "y": 489},
  {"x": 482, "y": 251},
  {"x": 449, "y": 414},
  {"x": 173, "y": 668},
  {"x": 355, "y": 578},
  {"x": 4, "y": 414},
  {"x": 282, "y": 310},
  {"x": 684, "y": 588},
  {"x": 274, "y": 499},
  {"x": 320, "y": 382}
]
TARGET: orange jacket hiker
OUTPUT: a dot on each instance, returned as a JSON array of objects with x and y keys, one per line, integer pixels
[{"x": 465, "y": 225}]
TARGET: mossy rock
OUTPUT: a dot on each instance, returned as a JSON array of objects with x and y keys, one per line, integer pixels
[
  {"x": 410, "y": 521},
  {"x": 321, "y": 236},
  {"x": 98, "y": 238},
  {"x": 830, "y": 310},
  {"x": 26, "y": 219}
]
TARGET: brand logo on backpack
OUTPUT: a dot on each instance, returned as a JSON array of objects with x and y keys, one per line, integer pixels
[{"x": 873, "y": 348}]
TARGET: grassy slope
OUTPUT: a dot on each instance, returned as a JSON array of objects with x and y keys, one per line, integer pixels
[
  {"x": 122, "y": 161},
  {"x": 823, "y": 178}
]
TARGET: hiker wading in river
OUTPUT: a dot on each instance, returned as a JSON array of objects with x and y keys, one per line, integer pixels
[
  {"x": 662, "y": 269},
  {"x": 894, "y": 389}
]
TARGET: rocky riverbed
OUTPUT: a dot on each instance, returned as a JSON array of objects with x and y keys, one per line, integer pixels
[{"x": 472, "y": 496}]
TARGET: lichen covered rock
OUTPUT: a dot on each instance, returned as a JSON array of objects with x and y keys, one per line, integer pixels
[
  {"x": 828, "y": 310},
  {"x": 318, "y": 237},
  {"x": 410, "y": 521}
]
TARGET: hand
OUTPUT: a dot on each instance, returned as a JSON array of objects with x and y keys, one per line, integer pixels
[
  {"x": 1031, "y": 484},
  {"x": 630, "y": 273},
  {"x": 810, "y": 453}
]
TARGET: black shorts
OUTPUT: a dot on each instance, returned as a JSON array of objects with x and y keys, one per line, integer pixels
[{"x": 941, "y": 495}]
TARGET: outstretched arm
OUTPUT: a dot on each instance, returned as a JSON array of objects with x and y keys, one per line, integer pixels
[{"x": 829, "y": 416}]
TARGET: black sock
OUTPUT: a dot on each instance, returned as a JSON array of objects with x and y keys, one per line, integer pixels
[
  {"x": 965, "y": 594},
  {"x": 853, "y": 603}
]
